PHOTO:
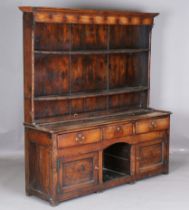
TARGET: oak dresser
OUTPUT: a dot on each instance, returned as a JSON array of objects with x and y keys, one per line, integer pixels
[{"x": 88, "y": 124}]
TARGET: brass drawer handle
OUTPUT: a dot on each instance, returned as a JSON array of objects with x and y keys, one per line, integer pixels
[
  {"x": 80, "y": 138},
  {"x": 118, "y": 129},
  {"x": 153, "y": 124}
]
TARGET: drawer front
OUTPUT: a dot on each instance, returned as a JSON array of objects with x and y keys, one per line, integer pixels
[
  {"x": 80, "y": 137},
  {"x": 117, "y": 131},
  {"x": 144, "y": 126}
]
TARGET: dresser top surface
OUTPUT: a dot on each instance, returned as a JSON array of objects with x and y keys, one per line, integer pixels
[{"x": 119, "y": 117}]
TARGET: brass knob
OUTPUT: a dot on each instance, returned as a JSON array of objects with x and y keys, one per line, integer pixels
[
  {"x": 79, "y": 135},
  {"x": 118, "y": 128},
  {"x": 153, "y": 124},
  {"x": 80, "y": 138},
  {"x": 83, "y": 137},
  {"x": 75, "y": 115}
]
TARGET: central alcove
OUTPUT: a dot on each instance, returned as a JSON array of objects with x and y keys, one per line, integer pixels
[{"x": 116, "y": 161}]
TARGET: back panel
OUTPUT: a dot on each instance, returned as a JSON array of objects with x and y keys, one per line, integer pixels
[{"x": 83, "y": 68}]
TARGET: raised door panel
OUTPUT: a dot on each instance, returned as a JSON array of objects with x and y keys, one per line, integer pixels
[
  {"x": 38, "y": 166},
  {"x": 151, "y": 156},
  {"x": 77, "y": 172}
]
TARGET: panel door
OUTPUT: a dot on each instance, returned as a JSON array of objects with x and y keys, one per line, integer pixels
[
  {"x": 78, "y": 172},
  {"x": 151, "y": 156}
]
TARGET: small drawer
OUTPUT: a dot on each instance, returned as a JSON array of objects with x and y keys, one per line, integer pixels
[
  {"x": 144, "y": 126},
  {"x": 80, "y": 137},
  {"x": 117, "y": 131}
]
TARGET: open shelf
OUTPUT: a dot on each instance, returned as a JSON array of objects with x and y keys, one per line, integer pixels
[
  {"x": 92, "y": 94},
  {"x": 116, "y": 161},
  {"x": 83, "y": 71},
  {"x": 89, "y": 52},
  {"x": 111, "y": 174}
]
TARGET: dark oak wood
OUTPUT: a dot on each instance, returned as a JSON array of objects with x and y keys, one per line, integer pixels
[{"x": 88, "y": 125}]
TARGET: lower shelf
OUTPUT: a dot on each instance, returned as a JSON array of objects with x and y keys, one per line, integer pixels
[{"x": 111, "y": 174}]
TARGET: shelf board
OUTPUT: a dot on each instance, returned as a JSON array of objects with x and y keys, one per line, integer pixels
[
  {"x": 91, "y": 94},
  {"x": 109, "y": 174},
  {"x": 116, "y": 156},
  {"x": 89, "y": 52}
]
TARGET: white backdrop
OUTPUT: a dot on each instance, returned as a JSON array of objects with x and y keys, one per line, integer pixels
[{"x": 169, "y": 66}]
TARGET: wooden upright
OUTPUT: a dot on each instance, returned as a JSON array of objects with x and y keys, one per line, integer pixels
[{"x": 88, "y": 125}]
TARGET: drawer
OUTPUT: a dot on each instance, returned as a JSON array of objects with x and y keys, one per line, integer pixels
[
  {"x": 117, "y": 131},
  {"x": 80, "y": 137},
  {"x": 144, "y": 126}
]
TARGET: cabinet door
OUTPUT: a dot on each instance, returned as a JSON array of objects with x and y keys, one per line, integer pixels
[
  {"x": 151, "y": 156},
  {"x": 78, "y": 172}
]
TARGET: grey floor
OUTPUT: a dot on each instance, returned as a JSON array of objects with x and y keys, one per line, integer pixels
[{"x": 157, "y": 193}]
